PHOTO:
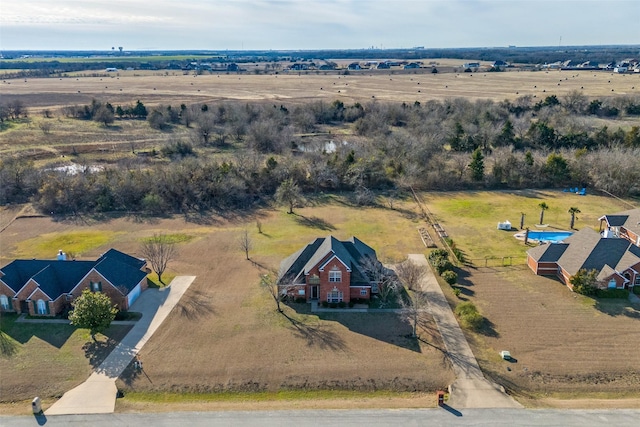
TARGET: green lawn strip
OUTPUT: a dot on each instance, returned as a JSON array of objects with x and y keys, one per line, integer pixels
[
  {"x": 77, "y": 242},
  {"x": 153, "y": 282},
  {"x": 262, "y": 396},
  {"x": 174, "y": 238}
]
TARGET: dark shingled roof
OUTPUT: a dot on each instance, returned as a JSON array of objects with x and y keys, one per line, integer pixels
[
  {"x": 350, "y": 252},
  {"x": 59, "y": 277},
  {"x": 548, "y": 252},
  {"x": 628, "y": 219},
  {"x": 123, "y": 276}
]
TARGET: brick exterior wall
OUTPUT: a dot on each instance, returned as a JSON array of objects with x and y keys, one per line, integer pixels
[
  {"x": 24, "y": 293},
  {"x": 325, "y": 285},
  {"x": 9, "y": 293},
  {"x": 355, "y": 293},
  {"x": 116, "y": 296}
]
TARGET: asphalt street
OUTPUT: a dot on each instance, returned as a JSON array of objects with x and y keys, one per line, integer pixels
[{"x": 382, "y": 417}]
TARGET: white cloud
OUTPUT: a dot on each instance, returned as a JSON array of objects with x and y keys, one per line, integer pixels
[{"x": 313, "y": 24}]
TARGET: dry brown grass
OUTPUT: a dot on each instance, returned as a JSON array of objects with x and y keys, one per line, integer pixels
[
  {"x": 396, "y": 86},
  {"x": 226, "y": 335},
  {"x": 566, "y": 345}
]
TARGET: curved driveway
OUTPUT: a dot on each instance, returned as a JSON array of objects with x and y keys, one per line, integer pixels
[{"x": 97, "y": 395}]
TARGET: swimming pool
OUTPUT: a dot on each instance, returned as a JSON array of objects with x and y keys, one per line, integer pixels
[{"x": 546, "y": 236}]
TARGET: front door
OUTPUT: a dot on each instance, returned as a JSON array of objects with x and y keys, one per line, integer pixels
[
  {"x": 24, "y": 307},
  {"x": 314, "y": 292}
]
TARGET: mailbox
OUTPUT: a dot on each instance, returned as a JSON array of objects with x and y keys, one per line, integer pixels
[
  {"x": 36, "y": 405},
  {"x": 440, "y": 394}
]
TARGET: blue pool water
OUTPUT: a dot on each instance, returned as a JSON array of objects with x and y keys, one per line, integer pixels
[{"x": 549, "y": 236}]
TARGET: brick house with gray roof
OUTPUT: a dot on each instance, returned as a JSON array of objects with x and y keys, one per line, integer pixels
[
  {"x": 331, "y": 270},
  {"x": 47, "y": 287},
  {"x": 614, "y": 253}
]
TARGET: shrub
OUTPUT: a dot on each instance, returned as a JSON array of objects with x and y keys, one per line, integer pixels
[
  {"x": 438, "y": 253},
  {"x": 442, "y": 264},
  {"x": 325, "y": 304},
  {"x": 333, "y": 305},
  {"x": 469, "y": 316},
  {"x": 342, "y": 304},
  {"x": 457, "y": 292},
  {"x": 636, "y": 290},
  {"x": 351, "y": 304},
  {"x": 449, "y": 276},
  {"x": 301, "y": 300},
  {"x": 612, "y": 293}
]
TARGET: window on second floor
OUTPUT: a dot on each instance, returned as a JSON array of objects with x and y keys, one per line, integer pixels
[{"x": 335, "y": 276}]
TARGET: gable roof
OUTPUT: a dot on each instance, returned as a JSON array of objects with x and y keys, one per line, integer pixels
[
  {"x": 57, "y": 277},
  {"x": 628, "y": 219},
  {"x": 123, "y": 276},
  {"x": 350, "y": 252},
  {"x": 587, "y": 249}
]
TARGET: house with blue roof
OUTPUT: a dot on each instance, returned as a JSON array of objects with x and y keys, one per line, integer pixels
[
  {"x": 47, "y": 287},
  {"x": 330, "y": 270}
]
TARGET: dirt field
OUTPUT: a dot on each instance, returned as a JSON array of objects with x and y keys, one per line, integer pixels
[
  {"x": 360, "y": 86},
  {"x": 566, "y": 345},
  {"x": 226, "y": 335}
]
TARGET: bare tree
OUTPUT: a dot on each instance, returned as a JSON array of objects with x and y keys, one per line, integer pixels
[
  {"x": 159, "y": 250},
  {"x": 245, "y": 242},
  {"x": 386, "y": 279},
  {"x": 413, "y": 308},
  {"x": 276, "y": 285},
  {"x": 410, "y": 274}
]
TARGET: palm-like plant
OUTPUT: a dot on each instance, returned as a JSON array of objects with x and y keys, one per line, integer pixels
[
  {"x": 543, "y": 207},
  {"x": 573, "y": 211}
]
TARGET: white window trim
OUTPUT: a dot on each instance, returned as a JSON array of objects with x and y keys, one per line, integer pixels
[
  {"x": 337, "y": 276},
  {"x": 4, "y": 301},
  {"x": 41, "y": 306}
]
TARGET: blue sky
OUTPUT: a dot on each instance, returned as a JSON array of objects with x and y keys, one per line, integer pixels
[{"x": 313, "y": 24}]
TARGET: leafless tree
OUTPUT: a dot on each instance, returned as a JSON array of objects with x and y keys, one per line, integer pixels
[
  {"x": 245, "y": 242},
  {"x": 45, "y": 127},
  {"x": 413, "y": 309},
  {"x": 159, "y": 250},
  {"x": 277, "y": 285},
  {"x": 410, "y": 274},
  {"x": 386, "y": 279}
]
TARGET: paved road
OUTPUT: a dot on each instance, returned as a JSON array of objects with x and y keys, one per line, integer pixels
[
  {"x": 97, "y": 395},
  {"x": 377, "y": 417},
  {"x": 470, "y": 389}
]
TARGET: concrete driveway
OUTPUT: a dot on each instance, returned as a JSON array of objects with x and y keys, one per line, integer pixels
[
  {"x": 470, "y": 389},
  {"x": 97, "y": 395}
]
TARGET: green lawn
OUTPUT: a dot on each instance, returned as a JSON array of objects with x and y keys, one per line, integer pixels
[
  {"x": 392, "y": 233},
  {"x": 77, "y": 242},
  {"x": 471, "y": 218}
]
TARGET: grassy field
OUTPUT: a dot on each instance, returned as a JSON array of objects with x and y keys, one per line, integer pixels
[
  {"x": 225, "y": 334},
  {"x": 175, "y": 87},
  {"x": 566, "y": 345}
]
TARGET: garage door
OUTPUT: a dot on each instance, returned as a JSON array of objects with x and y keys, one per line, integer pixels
[{"x": 133, "y": 295}]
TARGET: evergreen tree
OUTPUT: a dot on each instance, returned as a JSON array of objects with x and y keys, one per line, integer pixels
[{"x": 477, "y": 165}]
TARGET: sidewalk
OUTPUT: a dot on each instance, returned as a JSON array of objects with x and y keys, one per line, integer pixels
[
  {"x": 470, "y": 389},
  {"x": 97, "y": 395}
]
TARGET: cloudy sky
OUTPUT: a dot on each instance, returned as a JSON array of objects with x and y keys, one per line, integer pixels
[{"x": 313, "y": 24}]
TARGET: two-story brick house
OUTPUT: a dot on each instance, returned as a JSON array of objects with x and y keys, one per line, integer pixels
[
  {"x": 331, "y": 270},
  {"x": 47, "y": 287}
]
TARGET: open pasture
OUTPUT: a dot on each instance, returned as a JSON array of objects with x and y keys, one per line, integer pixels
[{"x": 175, "y": 87}]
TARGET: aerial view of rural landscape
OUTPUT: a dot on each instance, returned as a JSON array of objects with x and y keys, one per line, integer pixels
[{"x": 319, "y": 213}]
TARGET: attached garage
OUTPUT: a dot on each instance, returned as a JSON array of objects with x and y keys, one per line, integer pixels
[{"x": 134, "y": 294}]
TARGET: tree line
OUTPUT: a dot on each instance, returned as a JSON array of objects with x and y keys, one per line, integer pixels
[{"x": 439, "y": 145}]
